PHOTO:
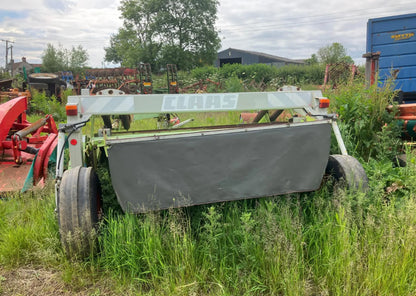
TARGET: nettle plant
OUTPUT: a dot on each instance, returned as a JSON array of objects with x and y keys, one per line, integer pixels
[{"x": 368, "y": 128}]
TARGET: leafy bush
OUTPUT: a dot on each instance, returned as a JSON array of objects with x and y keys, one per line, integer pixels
[
  {"x": 229, "y": 70},
  {"x": 42, "y": 104},
  {"x": 260, "y": 72},
  {"x": 368, "y": 129},
  {"x": 298, "y": 75},
  {"x": 261, "y": 76},
  {"x": 204, "y": 72},
  {"x": 233, "y": 84},
  {"x": 256, "y": 72}
]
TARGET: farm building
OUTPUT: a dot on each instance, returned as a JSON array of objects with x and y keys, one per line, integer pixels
[
  {"x": 18, "y": 67},
  {"x": 238, "y": 56}
]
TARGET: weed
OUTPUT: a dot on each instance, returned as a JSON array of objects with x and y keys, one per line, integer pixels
[
  {"x": 368, "y": 129},
  {"x": 40, "y": 103},
  {"x": 234, "y": 84}
]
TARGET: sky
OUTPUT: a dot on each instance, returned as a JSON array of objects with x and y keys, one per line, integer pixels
[{"x": 293, "y": 29}]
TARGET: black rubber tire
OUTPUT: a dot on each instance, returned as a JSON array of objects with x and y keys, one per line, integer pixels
[
  {"x": 399, "y": 97},
  {"x": 347, "y": 170},
  {"x": 125, "y": 121},
  {"x": 79, "y": 210},
  {"x": 107, "y": 121},
  {"x": 43, "y": 78},
  {"x": 401, "y": 160}
]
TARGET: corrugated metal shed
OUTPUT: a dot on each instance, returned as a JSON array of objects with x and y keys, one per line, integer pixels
[{"x": 244, "y": 57}]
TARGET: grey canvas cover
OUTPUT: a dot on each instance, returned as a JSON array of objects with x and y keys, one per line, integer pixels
[{"x": 155, "y": 173}]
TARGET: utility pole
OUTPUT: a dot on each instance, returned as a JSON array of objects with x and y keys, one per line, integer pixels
[
  {"x": 7, "y": 53},
  {"x": 11, "y": 59}
]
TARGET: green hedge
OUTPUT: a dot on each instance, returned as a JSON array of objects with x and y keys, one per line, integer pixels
[{"x": 262, "y": 73}]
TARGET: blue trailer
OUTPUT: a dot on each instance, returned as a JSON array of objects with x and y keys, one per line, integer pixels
[{"x": 391, "y": 50}]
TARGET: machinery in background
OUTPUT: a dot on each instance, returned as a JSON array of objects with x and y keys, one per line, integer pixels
[
  {"x": 26, "y": 149},
  {"x": 391, "y": 53}
]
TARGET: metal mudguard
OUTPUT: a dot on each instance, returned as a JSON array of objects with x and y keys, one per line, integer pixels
[{"x": 153, "y": 173}]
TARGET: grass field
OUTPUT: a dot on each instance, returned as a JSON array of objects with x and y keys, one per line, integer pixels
[{"x": 328, "y": 242}]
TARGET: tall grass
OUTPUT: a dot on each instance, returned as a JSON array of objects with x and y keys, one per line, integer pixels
[
  {"x": 329, "y": 242},
  {"x": 324, "y": 243},
  {"x": 28, "y": 229}
]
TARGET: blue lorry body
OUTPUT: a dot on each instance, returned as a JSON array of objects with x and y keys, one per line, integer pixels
[{"x": 395, "y": 38}]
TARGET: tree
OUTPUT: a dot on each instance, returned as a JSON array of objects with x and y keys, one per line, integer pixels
[
  {"x": 334, "y": 53},
  {"x": 52, "y": 59},
  {"x": 165, "y": 31},
  {"x": 62, "y": 59},
  {"x": 78, "y": 58},
  {"x": 312, "y": 60},
  {"x": 129, "y": 49},
  {"x": 134, "y": 42},
  {"x": 187, "y": 29}
]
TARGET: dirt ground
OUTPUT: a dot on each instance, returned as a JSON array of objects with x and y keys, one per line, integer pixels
[{"x": 28, "y": 281}]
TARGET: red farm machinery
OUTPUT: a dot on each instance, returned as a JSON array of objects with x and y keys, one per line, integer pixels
[{"x": 26, "y": 149}]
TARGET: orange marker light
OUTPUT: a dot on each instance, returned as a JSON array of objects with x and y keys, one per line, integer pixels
[
  {"x": 323, "y": 103},
  {"x": 71, "y": 110}
]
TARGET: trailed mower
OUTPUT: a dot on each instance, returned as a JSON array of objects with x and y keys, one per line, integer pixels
[{"x": 180, "y": 167}]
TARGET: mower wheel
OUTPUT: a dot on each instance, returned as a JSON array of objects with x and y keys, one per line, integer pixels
[
  {"x": 401, "y": 160},
  {"x": 126, "y": 121},
  {"x": 79, "y": 210},
  {"x": 107, "y": 121},
  {"x": 347, "y": 170},
  {"x": 399, "y": 97}
]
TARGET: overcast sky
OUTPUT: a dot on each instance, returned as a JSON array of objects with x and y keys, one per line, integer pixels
[{"x": 293, "y": 28}]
